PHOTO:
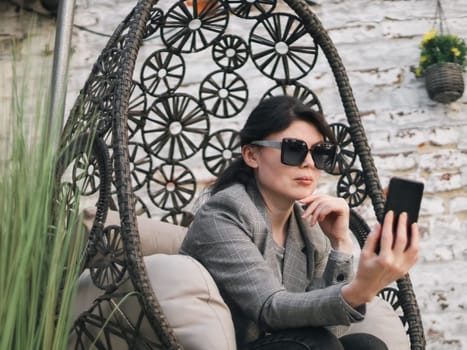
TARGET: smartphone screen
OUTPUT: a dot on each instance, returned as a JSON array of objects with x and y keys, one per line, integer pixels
[{"x": 404, "y": 196}]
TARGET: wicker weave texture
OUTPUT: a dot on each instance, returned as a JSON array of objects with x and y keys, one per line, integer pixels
[{"x": 444, "y": 82}]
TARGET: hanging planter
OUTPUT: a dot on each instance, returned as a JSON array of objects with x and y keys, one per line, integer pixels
[
  {"x": 442, "y": 62},
  {"x": 444, "y": 82}
]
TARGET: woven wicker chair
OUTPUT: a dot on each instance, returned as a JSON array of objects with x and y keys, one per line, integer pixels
[{"x": 147, "y": 125}]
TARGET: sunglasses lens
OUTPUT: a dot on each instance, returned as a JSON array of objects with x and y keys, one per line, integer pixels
[
  {"x": 293, "y": 152},
  {"x": 323, "y": 156}
]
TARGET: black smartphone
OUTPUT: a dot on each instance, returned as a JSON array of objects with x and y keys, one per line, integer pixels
[{"x": 404, "y": 195}]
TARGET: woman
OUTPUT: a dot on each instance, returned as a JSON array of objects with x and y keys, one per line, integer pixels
[{"x": 286, "y": 272}]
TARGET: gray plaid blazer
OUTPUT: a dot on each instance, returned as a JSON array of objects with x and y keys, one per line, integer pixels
[{"x": 231, "y": 236}]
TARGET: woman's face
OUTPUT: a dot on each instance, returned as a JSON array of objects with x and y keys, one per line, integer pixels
[{"x": 285, "y": 183}]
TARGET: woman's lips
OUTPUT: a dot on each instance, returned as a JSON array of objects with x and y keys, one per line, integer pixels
[{"x": 305, "y": 180}]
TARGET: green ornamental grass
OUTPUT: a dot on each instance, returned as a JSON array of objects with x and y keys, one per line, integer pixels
[{"x": 40, "y": 246}]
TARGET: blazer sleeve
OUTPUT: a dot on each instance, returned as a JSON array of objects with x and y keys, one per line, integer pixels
[{"x": 220, "y": 238}]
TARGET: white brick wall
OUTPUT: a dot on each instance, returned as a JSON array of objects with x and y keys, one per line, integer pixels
[{"x": 409, "y": 134}]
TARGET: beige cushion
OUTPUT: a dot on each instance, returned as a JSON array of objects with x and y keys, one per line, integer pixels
[
  {"x": 382, "y": 322},
  {"x": 188, "y": 296},
  {"x": 157, "y": 237}
]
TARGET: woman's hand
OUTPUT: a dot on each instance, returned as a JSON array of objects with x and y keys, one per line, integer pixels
[
  {"x": 396, "y": 256},
  {"x": 332, "y": 215}
]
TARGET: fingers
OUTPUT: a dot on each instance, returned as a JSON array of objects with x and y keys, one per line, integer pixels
[
  {"x": 387, "y": 233},
  {"x": 372, "y": 241},
  {"x": 320, "y": 206},
  {"x": 400, "y": 239},
  {"x": 414, "y": 236},
  {"x": 413, "y": 248},
  {"x": 394, "y": 247},
  {"x": 395, "y": 258}
]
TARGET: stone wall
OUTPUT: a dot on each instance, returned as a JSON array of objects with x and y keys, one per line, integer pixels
[{"x": 410, "y": 135}]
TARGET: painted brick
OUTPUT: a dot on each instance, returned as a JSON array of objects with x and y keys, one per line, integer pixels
[
  {"x": 444, "y": 136},
  {"x": 458, "y": 204},
  {"x": 432, "y": 205},
  {"x": 443, "y": 159},
  {"x": 396, "y": 162},
  {"x": 361, "y": 32},
  {"x": 462, "y": 144},
  {"x": 443, "y": 181},
  {"x": 410, "y": 137}
]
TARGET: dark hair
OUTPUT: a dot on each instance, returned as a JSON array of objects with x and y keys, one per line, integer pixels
[{"x": 269, "y": 116}]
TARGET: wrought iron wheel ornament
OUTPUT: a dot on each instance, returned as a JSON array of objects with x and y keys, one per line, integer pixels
[
  {"x": 137, "y": 109},
  {"x": 162, "y": 72},
  {"x": 154, "y": 23},
  {"x": 181, "y": 218},
  {"x": 192, "y": 29},
  {"x": 345, "y": 151},
  {"x": 298, "y": 91},
  {"x": 119, "y": 330},
  {"x": 351, "y": 186},
  {"x": 223, "y": 94},
  {"x": 140, "y": 165},
  {"x": 281, "y": 47},
  {"x": 140, "y": 207},
  {"x": 107, "y": 268},
  {"x": 86, "y": 174},
  {"x": 391, "y": 295},
  {"x": 73, "y": 180},
  {"x": 176, "y": 127},
  {"x": 230, "y": 52},
  {"x": 171, "y": 186},
  {"x": 95, "y": 108},
  {"x": 251, "y": 9},
  {"x": 221, "y": 149},
  {"x": 67, "y": 200}
]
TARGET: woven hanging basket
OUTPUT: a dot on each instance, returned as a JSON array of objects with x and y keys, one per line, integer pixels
[{"x": 444, "y": 82}]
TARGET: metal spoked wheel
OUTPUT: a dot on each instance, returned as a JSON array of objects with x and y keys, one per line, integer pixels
[
  {"x": 136, "y": 109},
  {"x": 176, "y": 127},
  {"x": 351, "y": 186},
  {"x": 230, "y": 52},
  {"x": 182, "y": 218},
  {"x": 345, "y": 153},
  {"x": 391, "y": 295},
  {"x": 108, "y": 266},
  {"x": 71, "y": 187},
  {"x": 154, "y": 23},
  {"x": 281, "y": 48},
  {"x": 251, "y": 9},
  {"x": 223, "y": 94},
  {"x": 171, "y": 186},
  {"x": 191, "y": 29},
  {"x": 162, "y": 72},
  {"x": 103, "y": 327},
  {"x": 221, "y": 149},
  {"x": 298, "y": 91}
]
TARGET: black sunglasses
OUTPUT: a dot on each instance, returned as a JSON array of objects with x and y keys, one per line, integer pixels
[{"x": 294, "y": 151}]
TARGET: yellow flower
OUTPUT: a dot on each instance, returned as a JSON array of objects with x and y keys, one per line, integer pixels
[
  {"x": 456, "y": 51},
  {"x": 428, "y": 36},
  {"x": 423, "y": 59}
]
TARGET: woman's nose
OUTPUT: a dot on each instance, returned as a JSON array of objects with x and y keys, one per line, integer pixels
[{"x": 308, "y": 161}]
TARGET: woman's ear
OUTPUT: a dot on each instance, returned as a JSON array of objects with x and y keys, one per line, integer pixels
[{"x": 249, "y": 154}]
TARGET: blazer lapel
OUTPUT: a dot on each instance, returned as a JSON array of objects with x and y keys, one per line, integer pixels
[
  {"x": 295, "y": 264},
  {"x": 294, "y": 274}
]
